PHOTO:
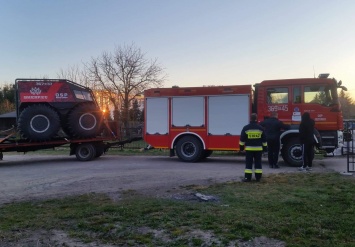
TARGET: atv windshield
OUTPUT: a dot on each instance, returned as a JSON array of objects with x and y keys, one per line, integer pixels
[{"x": 83, "y": 95}]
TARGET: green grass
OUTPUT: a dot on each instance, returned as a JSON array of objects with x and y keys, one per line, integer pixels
[{"x": 300, "y": 209}]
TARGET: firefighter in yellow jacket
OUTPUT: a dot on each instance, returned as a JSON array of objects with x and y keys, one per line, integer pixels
[{"x": 253, "y": 141}]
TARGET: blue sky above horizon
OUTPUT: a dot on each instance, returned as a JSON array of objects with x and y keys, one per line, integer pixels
[{"x": 198, "y": 42}]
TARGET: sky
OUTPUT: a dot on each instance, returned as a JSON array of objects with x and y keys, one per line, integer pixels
[{"x": 197, "y": 42}]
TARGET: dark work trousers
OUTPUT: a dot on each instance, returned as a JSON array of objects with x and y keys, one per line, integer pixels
[
  {"x": 273, "y": 147},
  {"x": 307, "y": 154},
  {"x": 250, "y": 158}
]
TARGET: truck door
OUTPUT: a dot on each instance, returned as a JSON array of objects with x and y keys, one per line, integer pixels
[
  {"x": 319, "y": 102},
  {"x": 278, "y": 100},
  {"x": 296, "y": 104}
]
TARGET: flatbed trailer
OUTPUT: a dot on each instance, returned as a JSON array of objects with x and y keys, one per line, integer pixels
[{"x": 84, "y": 149}]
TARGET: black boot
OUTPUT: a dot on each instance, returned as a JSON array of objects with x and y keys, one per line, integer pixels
[
  {"x": 258, "y": 176},
  {"x": 247, "y": 177}
]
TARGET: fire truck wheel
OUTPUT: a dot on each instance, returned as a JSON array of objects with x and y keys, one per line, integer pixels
[
  {"x": 189, "y": 149},
  {"x": 38, "y": 123},
  {"x": 85, "y": 152},
  {"x": 292, "y": 152},
  {"x": 84, "y": 121}
]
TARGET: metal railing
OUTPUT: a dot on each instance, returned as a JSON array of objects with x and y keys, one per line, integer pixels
[{"x": 349, "y": 146}]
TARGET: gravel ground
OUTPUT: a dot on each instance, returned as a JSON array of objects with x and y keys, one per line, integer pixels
[
  {"x": 28, "y": 177},
  {"x": 38, "y": 177}
]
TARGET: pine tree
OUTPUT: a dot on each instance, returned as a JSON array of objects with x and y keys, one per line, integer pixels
[
  {"x": 7, "y": 99},
  {"x": 135, "y": 113},
  {"x": 347, "y": 103}
]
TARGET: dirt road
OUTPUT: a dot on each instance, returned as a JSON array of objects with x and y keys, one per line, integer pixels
[{"x": 28, "y": 177}]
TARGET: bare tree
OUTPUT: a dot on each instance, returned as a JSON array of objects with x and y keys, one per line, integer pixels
[
  {"x": 76, "y": 74},
  {"x": 124, "y": 74}
]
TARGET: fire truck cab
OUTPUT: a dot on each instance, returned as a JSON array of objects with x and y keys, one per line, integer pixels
[{"x": 291, "y": 98}]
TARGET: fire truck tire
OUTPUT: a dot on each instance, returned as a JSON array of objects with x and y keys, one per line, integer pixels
[
  {"x": 292, "y": 152},
  {"x": 84, "y": 121},
  {"x": 189, "y": 149},
  {"x": 38, "y": 123},
  {"x": 85, "y": 152}
]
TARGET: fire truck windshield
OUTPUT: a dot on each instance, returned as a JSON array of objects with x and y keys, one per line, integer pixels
[{"x": 319, "y": 94}]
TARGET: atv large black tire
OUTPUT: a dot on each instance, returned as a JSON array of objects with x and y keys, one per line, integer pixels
[
  {"x": 84, "y": 121},
  {"x": 38, "y": 123}
]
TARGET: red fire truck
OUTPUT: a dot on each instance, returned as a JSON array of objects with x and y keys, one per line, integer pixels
[{"x": 194, "y": 121}]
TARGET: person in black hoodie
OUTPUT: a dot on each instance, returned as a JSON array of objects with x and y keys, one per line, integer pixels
[
  {"x": 306, "y": 131},
  {"x": 273, "y": 128}
]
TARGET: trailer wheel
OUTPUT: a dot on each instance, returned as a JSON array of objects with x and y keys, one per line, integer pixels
[
  {"x": 38, "y": 123},
  {"x": 189, "y": 149},
  {"x": 85, "y": 152},
  {"x": 84, "y": 121},
  {"x": 292, "y": 152}
]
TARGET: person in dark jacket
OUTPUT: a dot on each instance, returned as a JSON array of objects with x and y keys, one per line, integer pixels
[
  {"x": 306, "y": 131},
  {"x": 253, "y": 141},
  {"x": 273, "y": 128}
]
